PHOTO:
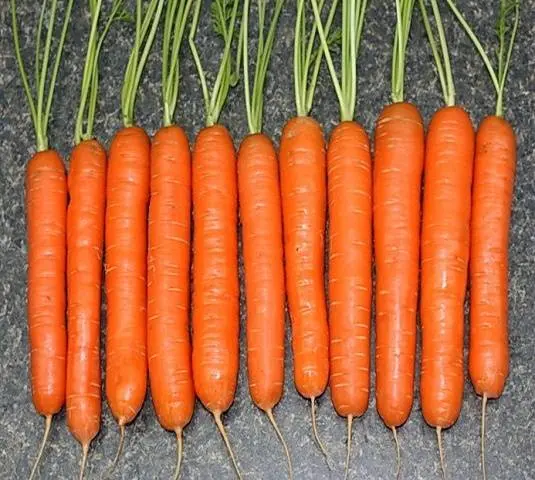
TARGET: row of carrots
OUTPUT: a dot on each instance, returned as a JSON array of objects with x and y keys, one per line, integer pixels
[{"x": 131, "y": 207}]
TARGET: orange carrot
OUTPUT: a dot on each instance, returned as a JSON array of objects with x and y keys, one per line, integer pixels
[
  {"x": 46, "y": 218},
  {"x": 349, "y": 180},
  {"x": 215, "y": 303},
  {"x": 303, "y": 174},
  {"x": 126, "y": 243},
  {"x": 85, "y": 238},
  {"x": 398, "y": 165},
  {"x": 492, "y": 192},
  {"x": 261, "y": 220},
  {"x": 445, "y": 247},
  {"x": 169, "y": 241}
]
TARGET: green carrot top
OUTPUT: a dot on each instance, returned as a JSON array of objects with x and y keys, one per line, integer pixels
[
  {"x": 90, "y": 78},
  {"x": 40, "y": 100},
  {"x": 353, "y": 13},
  {"x": 308, "y": 56},
  {"x": 404, "y": 9},
  {"x": 442, "y": 58},
  {"x": 224, "y": 15},
  {"x": 146, "y": 26},
  {"x": 255, "y": 102},
  {"x": 507, "y": 27},
  {"x": 176, "y": 16}
]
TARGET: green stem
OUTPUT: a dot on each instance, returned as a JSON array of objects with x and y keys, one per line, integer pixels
[
  {"x": 175, "y": 25},
  {"x": 41, "y": 105},
  {"x": 87, "y": 77},
  {"x": 353, "y": 13},
  {"x": 404, "y": 10},
  {"x": 507, "y": 7},
  {"x": 145, "y": 33},
  {"x": 225, "y": 22},
  {"x": 476, "y": 43},
  {"x": 442, "y": 58},
  {"x": 254, "y": 104}
]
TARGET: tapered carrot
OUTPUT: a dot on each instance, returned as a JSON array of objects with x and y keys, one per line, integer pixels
[
  {"x": 397, "y": 177},
  {"x": 215, "y": 302},
  {"x": 492, "y": 192},
  {"x": 46, "y": 218},
  {"x": 169, "y": 235},
  {"x": 126, "y": 241},
  {"x": 85, "y": 238},
  {"x": 303, "y": 191},
  {"x": 349, "y": 180},
  {"x": 261, "y": 221},
  {"x": 445, "y": 246}
]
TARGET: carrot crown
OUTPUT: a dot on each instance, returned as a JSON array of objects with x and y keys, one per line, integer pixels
[
  {"x": 175, "y": 24},
  {"x": 353, "y": 13},
  {"x": 442, "y": 57},
  {"x": 40, "y": 101},
  {"x": 255, "y": 103},
  {"x": 308, "y": 55},
  {"x": 90, "y": 78},
  {"x": 146, "y": 26},
  {"x": 507, "y": 27},
  {"x": 224, "y": 14},
  {"x": 404, "y": 10}
]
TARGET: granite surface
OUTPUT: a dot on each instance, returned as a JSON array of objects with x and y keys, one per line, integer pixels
[{"x": 150, "y": 451}]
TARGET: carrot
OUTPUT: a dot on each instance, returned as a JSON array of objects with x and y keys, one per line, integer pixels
[
  {"x": 349, "y": 181},
  {"x": 46, "y": 217},
  {"x": 261, "y": 220},
  {"x": 397, "y": 177},
  {"x": 445, "y": 246},
  {"x": 303, "y": 192},
  {"x": 215, "y": 356},
  {"x": 85, "y": 238},
  {"x": 494, "y": 172},
  {"x": 126, "y": 241},
  {"x": 169, "y": 235}
]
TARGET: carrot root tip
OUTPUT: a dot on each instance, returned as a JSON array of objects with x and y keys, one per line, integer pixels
[
  {"x": 111, "y": 468},
  {"x": 221, "y": 428},
  {"x": 483, "y": 415},
  {"x": 398, "y": 453},
  {"x": 348, "y": 455},
  {"x": 85, "y": 451},
  {"x": 179, "y": 446},
  {"x": 315, "y": 431},
  {"x": 271, "y": 417},
  {"x": 441, "y": 452},
  {"x": 48, "y": 425}
]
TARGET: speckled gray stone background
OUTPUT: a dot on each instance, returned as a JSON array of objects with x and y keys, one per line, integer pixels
[{"x": 149, "y": 450}]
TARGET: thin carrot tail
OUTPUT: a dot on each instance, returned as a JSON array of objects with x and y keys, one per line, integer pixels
[
  {"x": 483, "y": 414},
  {"x": 348, "y": 455},
  {"x": 398, "y": 453},
  {"x": 441, "y": 452},
  {"x": 315, "y": 431},
  {"x": 179, "y": 444},
  {"x": 269, "y": 413},
  {"x": 85, "y": 451},
  {"x": 48, "y": 425},
  {"x": 220, "y": 426},
  {"x": 111, "y": 468}
]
